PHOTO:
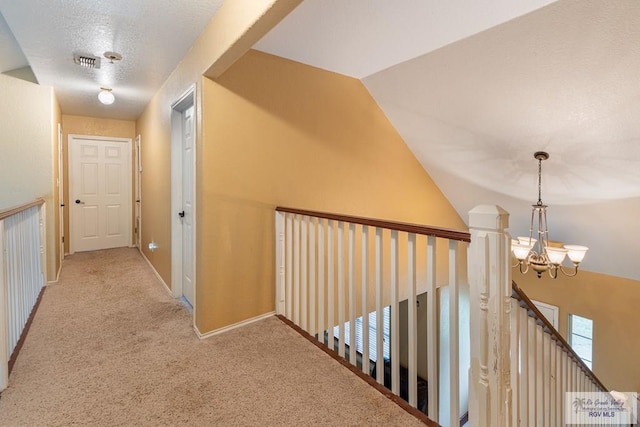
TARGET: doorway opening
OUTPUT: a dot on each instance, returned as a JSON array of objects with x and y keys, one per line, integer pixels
[{"x": 183, "y": 201}]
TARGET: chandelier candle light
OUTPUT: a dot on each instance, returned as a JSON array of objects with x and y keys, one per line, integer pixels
[{"x": 538, "y": 254}]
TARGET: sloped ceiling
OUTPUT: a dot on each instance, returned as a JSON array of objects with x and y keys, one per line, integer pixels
[{"x": 560, "y": 77}]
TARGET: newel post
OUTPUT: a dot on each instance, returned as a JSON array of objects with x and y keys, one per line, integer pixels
[{"x": 490, "y": 306}]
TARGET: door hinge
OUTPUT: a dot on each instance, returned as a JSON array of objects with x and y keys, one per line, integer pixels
[{"x": 62, "y": 239}]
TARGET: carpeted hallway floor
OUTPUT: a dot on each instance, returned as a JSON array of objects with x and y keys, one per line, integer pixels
[{"x": 110, "y": 347}]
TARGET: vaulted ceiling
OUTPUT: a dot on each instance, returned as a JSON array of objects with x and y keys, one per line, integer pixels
[{"x": 473, "y": 87}]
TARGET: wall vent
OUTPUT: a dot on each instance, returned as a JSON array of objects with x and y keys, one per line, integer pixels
[{"x": 87, "y": 61}]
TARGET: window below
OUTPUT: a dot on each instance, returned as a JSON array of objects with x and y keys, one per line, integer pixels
[
  {"x": 372, "y": 334},
  {"x": 581, "y": 337}
]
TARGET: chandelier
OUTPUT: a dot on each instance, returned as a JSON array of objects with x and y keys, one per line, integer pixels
[{"x": 538, "y": 254}]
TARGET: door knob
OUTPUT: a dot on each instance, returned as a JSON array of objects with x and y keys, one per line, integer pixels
[
  {"x": 181, "y": 214},
  {"x": 79, "y": 202}
]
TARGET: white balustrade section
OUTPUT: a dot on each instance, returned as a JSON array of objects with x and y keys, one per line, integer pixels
[
  {"x": 543, "y": 367},
  {"x": 345, "y": 280},
  {"x": 22, "y": 266}
]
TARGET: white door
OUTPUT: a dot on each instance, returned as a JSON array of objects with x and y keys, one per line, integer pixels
[
  {"x": 549, "y": 311},
  {"x": 61, "y": 190},
  {"x": 187, "y": 204},
  {"x": 99, "y": 192}
]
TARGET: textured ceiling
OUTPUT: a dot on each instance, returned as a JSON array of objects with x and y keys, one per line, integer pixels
[
  {"x": 475, "y": 107},
  {"x": 152, "y": 37}
]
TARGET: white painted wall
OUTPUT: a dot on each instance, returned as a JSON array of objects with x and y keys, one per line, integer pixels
[
  {"x": 26, "y": 162},
  {"x": 27, "y": 151}
]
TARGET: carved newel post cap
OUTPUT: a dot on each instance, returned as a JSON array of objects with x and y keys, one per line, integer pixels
[{"x": 489, "y": 217}]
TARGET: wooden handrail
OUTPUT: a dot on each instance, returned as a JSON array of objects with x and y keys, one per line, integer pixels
[
  {"x": 534, "y": 313},
  {"x": 17, "y": 209},
  {"x": 444, "y": 233}
]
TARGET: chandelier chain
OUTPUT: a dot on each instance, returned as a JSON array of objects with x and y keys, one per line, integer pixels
[{"x": 539, "y": 182}]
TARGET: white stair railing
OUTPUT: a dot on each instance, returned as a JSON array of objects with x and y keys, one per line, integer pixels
[
  {"x": 21, "y": 274},
  {"x": 543, "y": 367},
  {"x": 335, "y": 273},
  {"x": 521, "y": 367}
]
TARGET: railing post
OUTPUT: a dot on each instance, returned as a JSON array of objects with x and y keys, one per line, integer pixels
[
  {"x": 490, "y": 309},
  {"x": 280, "y": 266}
]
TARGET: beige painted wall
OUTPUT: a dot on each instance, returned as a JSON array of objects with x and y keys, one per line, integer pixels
[
  {"x": 276, "y": 132},
  {"x": 236, "y": 26},
  {"x": 27, "y": 111},
  {"x": 612, "y": 303},
  {"x": 81, "y": 125}
]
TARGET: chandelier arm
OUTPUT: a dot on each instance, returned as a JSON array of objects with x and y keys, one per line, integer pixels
[
  {"x": 526, "y": 268},
  {"x": 571, "y": 273},
  {"x": 553, "y": 271}
]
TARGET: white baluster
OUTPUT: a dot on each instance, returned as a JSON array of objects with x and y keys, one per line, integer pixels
[
  {"x": 551, "y": 399},
  {"x": 330, "y": 287},
  {"x": 559, "y": 397},
  {"x": 4, "y": 332},
  {"x": 296, "y": 270},
  {"x": 365, "y": 309},
  {"x": 454, "y": 333},
  {"x": 539, "y": 396},
  {"x": 432, "y": 331},
  {"x": 379, "y": 309},
  {"x": 289, "y": 267},
  {"x": 533, "y": 357},
  {"x": 352, "y": 296},
  {"x": 515, "y": 359},
  {"x": 395, "y": 318},
  {"x": 546, "y": 378},
  {"x": 412, "y": 320},
  {"x": 304, "y": 278},
  {"x": 312, "y": 276},
  {"x": 341, "y": 320},
  {"x": 321, "y": 280},
  {"x": 525, "y": 375}
]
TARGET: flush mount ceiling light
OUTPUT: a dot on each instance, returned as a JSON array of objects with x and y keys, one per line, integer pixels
[
  {"x": 112, "y": 56},
  {"x": 106, "y": 96},
  {"x": 537, "y": 254}
]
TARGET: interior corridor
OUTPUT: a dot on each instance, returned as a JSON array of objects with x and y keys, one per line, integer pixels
[{"x": 109, "y": 346}]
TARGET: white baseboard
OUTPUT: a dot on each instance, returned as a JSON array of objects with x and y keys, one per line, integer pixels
[
  {"x": 156, "y": 273},
  {"x": 53, "y": 282},
  {"x": 234, "y": 326}
]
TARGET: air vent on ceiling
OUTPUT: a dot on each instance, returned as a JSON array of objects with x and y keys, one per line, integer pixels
[{"x": 87, "y": 61}]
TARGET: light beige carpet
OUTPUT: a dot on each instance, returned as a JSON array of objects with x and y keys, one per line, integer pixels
[{"x": 110, "y": 347}]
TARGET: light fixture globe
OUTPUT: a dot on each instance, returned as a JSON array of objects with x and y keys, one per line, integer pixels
[
  {"x": 105, "y": 96},
  {"x": 538, "y": 254}
]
